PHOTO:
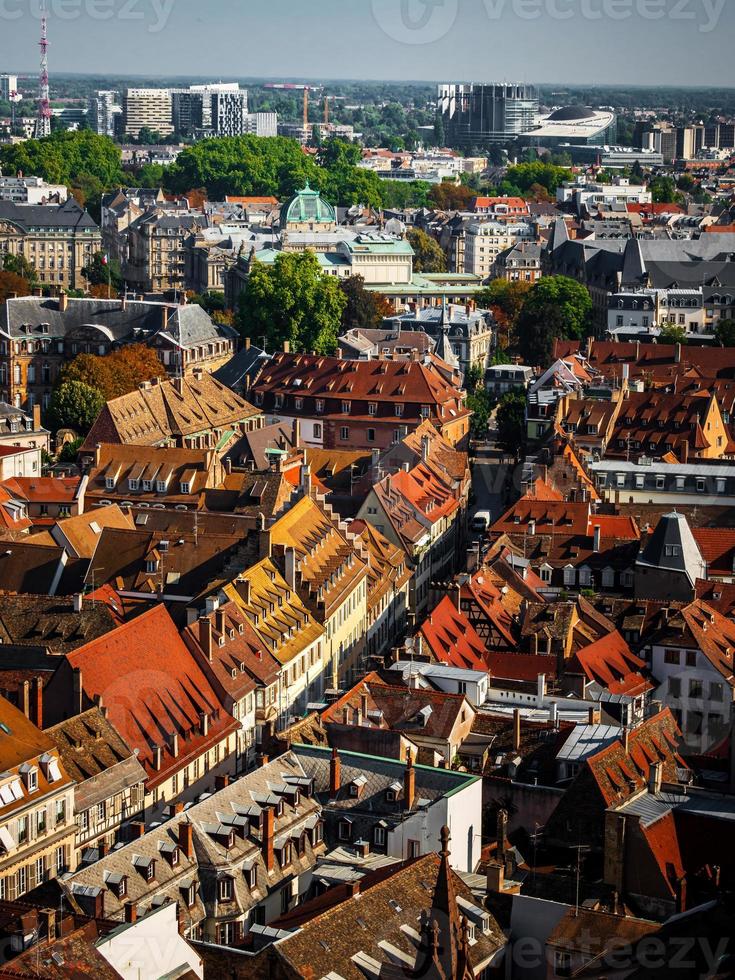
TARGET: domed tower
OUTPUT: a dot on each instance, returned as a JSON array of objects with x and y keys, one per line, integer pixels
[{"x": 306, "y": 211}]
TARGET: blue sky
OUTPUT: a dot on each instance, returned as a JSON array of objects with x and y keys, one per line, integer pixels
[{"x": 666, "y": 42}]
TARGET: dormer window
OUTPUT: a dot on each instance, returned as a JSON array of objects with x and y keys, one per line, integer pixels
[
  {"x": 109, "y": 483},
  {"x": 147, "y": 486},
  {"x": 133, "y": 484},
  {"x": 191, "y": 894},
  {"x": 161, "y": 486},
  {"x": 344, "y": 829},
  {"x": 319, "y": 405},
  {"x": 151, "y": 565},
  {"x": 251, "y": 876},
  {"x": 30, "y": 777},
  {"x": 225, "y": 890},
  {"x": 372, "y": 408},
  {"x": 186, "y": 488},
  {"x": 399, "y": 409},
  {"x": 346, "y": 408}
]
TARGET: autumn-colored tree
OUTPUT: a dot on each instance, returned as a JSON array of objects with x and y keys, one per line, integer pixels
[
  {"x": 117, "y": 373},
  {"x": 451, "y": 197},
  {"x": 12, "y": 284},
  {"x": 197, "y": 198},
  {"x": 98, "y": 291}
]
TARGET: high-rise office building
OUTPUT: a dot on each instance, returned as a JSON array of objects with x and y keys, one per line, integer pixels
[
  {"x": 148, "y": 108},
  {"x": 481, "y": 114},
  {"x": 8, "y": 84},
  {"x": 102, "y": 112},
  {"x": 210, "y": 110}
]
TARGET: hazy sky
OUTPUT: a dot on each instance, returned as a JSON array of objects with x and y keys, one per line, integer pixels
[{"x": 667, "y": 42}]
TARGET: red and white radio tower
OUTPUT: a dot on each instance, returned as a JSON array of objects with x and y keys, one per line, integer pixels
[{"x": 43, "y": 119}]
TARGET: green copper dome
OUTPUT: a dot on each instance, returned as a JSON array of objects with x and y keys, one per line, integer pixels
[{"x": 308, "y": 206}]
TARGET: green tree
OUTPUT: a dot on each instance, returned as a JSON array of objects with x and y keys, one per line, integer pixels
[
  {"x": 511, "y": 422},
  {"x": 524, "y": 175},
  {"x": 428, "y": 254},
  {"x": 292, "y": 301},
  {"x": 663, "y": 190},
  {"x": 570, "y": 297},
  {"x": 74, "y": 405},
  {"x": 101, "y": 273},
  {"x": 66, "y": 157},
  {"x": 19, "y": 265},
  {"x": 364, "y": 308},
  {"x": 672, "y": 333},
  {"x": 725, "y": 333}
]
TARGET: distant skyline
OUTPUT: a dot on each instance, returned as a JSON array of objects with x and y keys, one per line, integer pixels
[{"x": 603, "y": 42}]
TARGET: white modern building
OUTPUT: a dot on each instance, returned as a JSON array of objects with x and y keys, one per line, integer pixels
[{"x": 593, "y": 196}]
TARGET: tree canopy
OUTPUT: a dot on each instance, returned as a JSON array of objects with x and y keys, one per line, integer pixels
[
  {"x": 101, "y": 273},
  {"x": 66, "y": 157},
  {"x": 523, "y": 176},
  {"x": 74, "y": 405},
  {"x": 116, "y": 373},
  {"x": 292, "y": 301},
  {"x": 511, "y": 422},
  {"x": 725, "y": 333},
  {"x": 555, "y": 306},
  {"x": 364, "y": 308},
  {"x": 428, "y": 253}
]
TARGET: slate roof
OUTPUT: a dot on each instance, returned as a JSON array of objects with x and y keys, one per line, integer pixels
[
  {"x": 672, "y": 546},
  {"x": 69, "y": 215},
  {"x": 384, "y": 930},
  {"x": 96, "y": 757},
  {"x": 40, "y": 621},
  {"x": 237, "y": 807}
]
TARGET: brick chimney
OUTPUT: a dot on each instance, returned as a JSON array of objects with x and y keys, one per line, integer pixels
[
  {"x": 36, "y": 417},
  {"x": 131, "y": 912},
  {"x": 219, "y": 621},
  {"x": 186, "y": 839},
  {"x": 409, "y": 783},
  {"x": 269, "y": 833},
  {"x": 335, "y": 774},
  {"x": 205, "y": 636},
  {"x": 137, "y": 829},
  {"x": 222, "y": 781},
  {"x": 501, "y": 832},
  {"x": 63, "y": 302}
]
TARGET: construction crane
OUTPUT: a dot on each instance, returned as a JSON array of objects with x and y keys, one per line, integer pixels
[{"x": 326, "y": 110}]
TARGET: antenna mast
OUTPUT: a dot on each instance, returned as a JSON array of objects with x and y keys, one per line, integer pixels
[{"x": 43, "y": 119}]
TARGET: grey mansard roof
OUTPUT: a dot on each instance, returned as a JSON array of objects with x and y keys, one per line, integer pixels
[
  {"x": 69, "y": 215},
  {"x": 672, "y": 546}
]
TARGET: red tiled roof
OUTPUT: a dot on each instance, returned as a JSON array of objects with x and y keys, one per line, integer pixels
[
  {"x": 663, "y": 841},
  {"x": 619, "y": 774},
  {"x": 717, "y": 545},
  {"x": 520, "y": 666},
  {"x": 452, "y": 639},
  {"x": 43, "y": 489},
  {"x": 611, "y": 663},
  {"x": 491, "y": 202},
  {"x": 654, "y": 209},
  {"x": 153, "y": 688}
]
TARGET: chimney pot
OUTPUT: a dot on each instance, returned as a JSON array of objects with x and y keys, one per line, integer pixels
[
  {"x": 335, "y": 774},
  {"x": 269, "y": 822},
  {"x": 186, "y": 839},
  {"x": 205, "y": 636},
  {"x": 409, "y": 783}
]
